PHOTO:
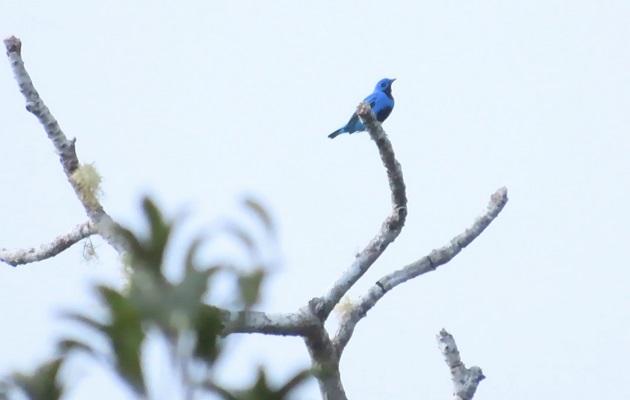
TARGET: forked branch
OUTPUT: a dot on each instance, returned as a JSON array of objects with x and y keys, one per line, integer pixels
[
  {"x": 431, "y": 262},
  {"x": 65, "y": 147},
  {"x": 391, "y": 228}
]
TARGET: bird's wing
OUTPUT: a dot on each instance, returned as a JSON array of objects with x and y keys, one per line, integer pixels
[
  {"x": 372, "y": 99},
  {"x": 377, "y": 101},
  {"x": 353, "y": 120}
]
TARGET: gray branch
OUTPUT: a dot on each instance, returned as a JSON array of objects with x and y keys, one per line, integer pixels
[
  {"x": 289, "y": 324},
  {"x": 309, "y": 321},
  {"x": 436, "y": 258},
  {"x": 324, "y": 353},
  {"x": 64, "y": 147},
  {"x": 465, "y": 380},
  {"x": 324, "y": 357},
  {"x": 15, "y": 257},
  {"x": 390, "y": 229},
  {"x": 325, "y": 363}
]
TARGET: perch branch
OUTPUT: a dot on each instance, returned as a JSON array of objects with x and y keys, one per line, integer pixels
[
  {"x": 64, "y": 147},
  {"x": 465, "y": 380},
  {"x": 390, "y": 229},
  {"x": 428, "y": 263},
  {"x": 17, "y": 257}
]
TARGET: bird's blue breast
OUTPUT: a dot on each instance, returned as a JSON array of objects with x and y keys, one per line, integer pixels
[{"x": 382, "y": 105}]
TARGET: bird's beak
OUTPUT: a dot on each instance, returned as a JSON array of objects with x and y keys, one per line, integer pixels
[{"x": 392, "y": 81}]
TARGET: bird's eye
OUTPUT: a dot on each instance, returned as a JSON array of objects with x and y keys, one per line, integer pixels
[{"x": 384, "y": 84}]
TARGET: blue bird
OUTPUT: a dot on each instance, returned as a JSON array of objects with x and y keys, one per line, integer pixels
[{"x": 382, "y": 103}]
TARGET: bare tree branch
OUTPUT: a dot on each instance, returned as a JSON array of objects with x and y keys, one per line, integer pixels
[
  {"x": 428, "y": 263},
  {"x": 64, "y": 147},
  {"x": 324, "y": 357},
  {"x": 465, "y": 380},
  {"x": 307, "y": 322},
  {"x": 15, "y": 257},
  {"x": 325, "y": 360},
  {"x": 391, "y": 227},
  {"x": 290, "y": 324}
]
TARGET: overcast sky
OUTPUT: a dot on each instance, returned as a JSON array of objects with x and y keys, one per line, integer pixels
[{"x": 202, "y": 102}]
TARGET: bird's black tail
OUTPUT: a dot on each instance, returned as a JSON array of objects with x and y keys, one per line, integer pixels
[{"x": 335, "y": 133}]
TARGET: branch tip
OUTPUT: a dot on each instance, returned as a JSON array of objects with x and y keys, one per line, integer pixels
[
  {"x": 500, "y": 196},
  {"x": 13, "y": 45},
  {"x": 465, "y": 380},
  {"x": 363, "y": 109}
]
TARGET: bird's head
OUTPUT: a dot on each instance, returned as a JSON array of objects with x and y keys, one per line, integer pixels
[{"x": 384, "y": 85}]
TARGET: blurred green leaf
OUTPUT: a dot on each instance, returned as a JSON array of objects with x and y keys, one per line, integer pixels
[
  {"x": 262, "y": 390},
  {"x": 126, "y": 335},
  {"x": 208, "y": 329},
  {"x": 188, "y": 294},
  {"x": 43, "y": 384},
  {"x": 294, "y": 382},
  {"x": 5, "y": 389},
  {"x": 135, "y": 249},
  {"x": 148, "y": 254},
  {"x": 176, "y": 309},
  {"x": 84, "y": 320},
  {"x": 150, "y": 297},
  {"x": 67, "y": 345},
  {"x": 244, "y": 237},
  {"x": 191, "y": 253},
  {"x": 249, "y": 286},
  {"x": 160, "y": 232},
  {"x": 123, "y": 332},
  {"x": 261, "y": 213},
  {"x": 171, "y": 307}
]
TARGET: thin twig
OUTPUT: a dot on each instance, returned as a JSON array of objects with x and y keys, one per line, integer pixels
[
  {"x": 15, "y": 257},
  {"x": 104, "y": 224}
]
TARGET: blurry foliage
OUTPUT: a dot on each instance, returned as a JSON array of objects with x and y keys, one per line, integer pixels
[
  {"x": 176, "y": 310},
  {"x": 42, "y": 384}
]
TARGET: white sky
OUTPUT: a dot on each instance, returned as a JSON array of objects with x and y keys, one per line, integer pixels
[{"x": 202, "y": 102}]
